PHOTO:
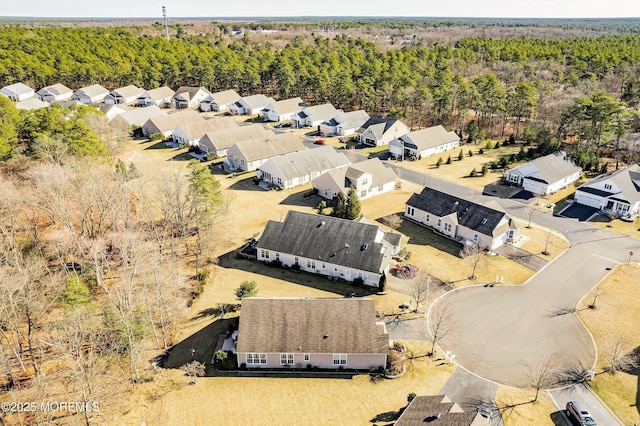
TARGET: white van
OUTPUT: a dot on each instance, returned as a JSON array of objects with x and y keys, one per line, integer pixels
[{"x": 576, "y": 412}]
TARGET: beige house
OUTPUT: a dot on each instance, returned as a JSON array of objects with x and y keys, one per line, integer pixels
[
  {"x": 189, "y": 97},
  {"x": 90, "y": 94},
  {"x": 369, "y": 178},
  {"x": 311, "y": 333},
  {"x": 378, "y": 130},
  {"x": 250, "y": 154},
  {"x": 218, "y": 142},
  {"x": 281, "y": 110},
  {"x": 167, "y": 124},
  {"x": 462, "y": 220},
  {"x": 159, "y": 97},
  {"x": 56, "y": 92},
  {"x": 138, "y": 116},
  {"x": 219, "y": 101},
  {"x": 124, "y": 95},
  {"x": 192, "y": 131}
]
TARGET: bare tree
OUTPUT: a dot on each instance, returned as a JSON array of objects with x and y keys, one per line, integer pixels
[
  {"x": 619, "y": 357},
  {"x": 473, "y": 254},
  {"x": 530, "y": 212},
  {"x": 419, "y": 288},
  {"x": 547, "y": 240},
  {"x": 442, "y": 323},
  {"x": 394, "y": 221},
  {"x": 194, "y": 369},
  {"x": 541, "y": 375},
  {"x": 597, "y": 292}
]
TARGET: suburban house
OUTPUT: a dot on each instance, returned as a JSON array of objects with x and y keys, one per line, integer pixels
[
  {"x": 189, "y": 97},
  {"x": 369, "y": 178},
  {"x": 111, "y": 110},
  {"x": 340, "y": 333},
  {"x": 55, "y": 92},
  {"x": 616, "y": 193},
  {"x": 192, "y": 131},
  {"x": 159, "y": 97},
  {"x": 18, "y": 92},
  {"x": 344, "y": 124},
  {"x": 281, "y": 110},
  {"x": 545, "y": 175},
  {"x": 378, "y": 130},
  {"x": 424, "y": 142},
  {"x": 90, "y": 94},
  {"x": 220, "y": 141},
  {"x": 166, "y": 124},
  {"x": 124, "y": 95},
  {"x": 248, "y": 155},
  {"x": 31, "y": 103},
  {"x": 250, "y": 105},
  {"x": 330, "y": 246},
  {"x": 462, "y": 220},
  {"x": 219, "y": 101},
  {"x": 440, "y": 410},
  {"x": 300, "y": 167},
  {"x": 138, "y": 116},
  {"x": 313, "y": 116}
]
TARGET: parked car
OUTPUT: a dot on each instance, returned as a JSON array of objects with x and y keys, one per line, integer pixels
[
  {"x": 578, "y": 414},
  {"x": 320, "y": 142}
]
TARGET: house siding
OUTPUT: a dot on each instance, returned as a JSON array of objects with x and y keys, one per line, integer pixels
[{"x": 319, "y": 360}]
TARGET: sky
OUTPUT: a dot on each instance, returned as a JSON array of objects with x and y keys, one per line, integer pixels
[{"x": 263, "y": 8}]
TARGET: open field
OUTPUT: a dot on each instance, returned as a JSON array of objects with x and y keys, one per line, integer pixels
[{"x": 616, "y": 318}]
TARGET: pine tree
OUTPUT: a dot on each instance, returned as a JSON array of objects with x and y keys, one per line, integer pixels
[
  {"x": 474, "y": 173},
  {"x": 485, "y": 169},
  {"x": 449, "y": 160},
  {"x": 439, "y": 162},
  {"x": 353, "y": 210},
  {"x": 339, "y": 205},
  {"x": 460, "y": 156}
]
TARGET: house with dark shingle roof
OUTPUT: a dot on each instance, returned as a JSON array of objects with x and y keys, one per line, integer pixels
[
  {"x": 545, "y": 175},
  {"x": 300, "y": 167},
  {"x": 344, "y": 123},
  {"x": 424, "y": 142},
  {"x": 378, "y": 130},
  {"x": 369, "y": 178},
  {"x": 440, "y": 410},
  {"x": 462, "y": 220},
  {"x": 304, "y": 333},
  {"x": 189, "y": 97},
  {"x": 617, "y": 192},
  {"x": 337, "y": 248}
]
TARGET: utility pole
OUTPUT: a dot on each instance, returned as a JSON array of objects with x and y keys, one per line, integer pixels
[{"x": 166, "y": 25}]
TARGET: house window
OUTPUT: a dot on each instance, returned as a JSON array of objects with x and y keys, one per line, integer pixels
[
  {"x": 339, "y": 359},
  {"x": 475, "y": 238},
  {"x": 307, "y": 357},
  {"x": 264, "y": 254},
  {"x": 380, "y": 187},
  {"x": 277, "y": 256},
  {"x": 365, "y": 181},
  {"x": 242, "y": 162},
  {"x": 510, "y": 235},
  {"x": 410, "y": 211},
  {"x": 363, "y": 193},
  {"x": 286, "y": 359},
  {"x": 311, "y": 264},
  {"x": 256, "y": 358},
  {"x": 426, "y": 218},
  {"x": 295, "y": 261},
  {"x": 323, "y": 265},
  {"x": 607, "y": 186},
  {"x": 513, "y": 178},
  {"x": 447, "y": 227},
  {"x": 439, "y": 222}
]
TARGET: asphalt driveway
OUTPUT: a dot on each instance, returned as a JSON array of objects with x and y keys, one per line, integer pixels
[{"x": 578, "y": 211}]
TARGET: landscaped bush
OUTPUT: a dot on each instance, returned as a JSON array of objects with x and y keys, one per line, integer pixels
[
  {"x": 310, "y": 193},
  {"x": 358, "y": 281},
  {"x": 276, "y": 262},
  {"x": 158, "y": 136}
]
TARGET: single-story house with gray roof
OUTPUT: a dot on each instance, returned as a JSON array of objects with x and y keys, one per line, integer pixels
[
  {"x": 337, "y": 248},
  {"x": 248, "y": 155},
  {"x": 378, "y": 130},
  {"x": 160, "y": 96},
  {"x": 124, "y": 95},
  {"x": 340, "y": 333},
  {"x": 313, "y": 116},
  {"x": 462, "y": 220},
  {"x": 282, "y": 110},
  {"x": 189, "y": 97},
  {"x": 250, "y": 105},
  {"x": 55, "y": 92},
  {"x": 219, "y": 141},
  {"x": 18, "y": 92},
  {"x": 344, "y": 124},
  {"x": 219, "y": 101},
  {"x": 300, "y": 167},
  {"x": 424, "y": 142},
  {"x": 545, "y": 175},
  {"x": 616, "y": 193},
  {"x": 90, "y": 94},
  {"x": 440, "y": 410}
]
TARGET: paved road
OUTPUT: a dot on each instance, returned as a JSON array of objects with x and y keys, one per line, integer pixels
[
  {"x": 470, "y": 392},
  {"x": 581, "y": 393}
]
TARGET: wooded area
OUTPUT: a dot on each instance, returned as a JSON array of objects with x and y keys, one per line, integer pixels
[{"x": 96, "y": 265}]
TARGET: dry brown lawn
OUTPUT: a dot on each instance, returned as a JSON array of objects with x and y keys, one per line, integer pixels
[
  {"x": 616, "y": 319},
  {"x": 458, "y": 171},
  {"x": 617, "y": 225},
  {"x": 519, "y": 411}
]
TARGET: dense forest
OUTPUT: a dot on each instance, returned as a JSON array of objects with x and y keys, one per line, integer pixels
[{"x": 97, "y": 265}]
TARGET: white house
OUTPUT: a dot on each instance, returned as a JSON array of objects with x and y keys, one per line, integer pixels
[
  {"x": 462, "y": 220},
  {"x": 218, "y": 142},
  {"x": 248, "y": 155},
  {"x": 369, "y": 178},
  {"x": 545, "y": 175},
  {"x": 313, "y": 116},
  {"x": 219, "y": 101},
  {"x": 192, "y": 131},
  {"x": 32, "y": 103},
  {"x": 617, "y": 193},
  {"x": 167, "y": 124},
  {"x": 378, "y": 130},
  {"x": 189, "y": 97},
  {"x": 304, "y": 333},
  {"x": 344, "y": 124},
  {"x": 18, "y": 92},
  {"x": 124, "y": 95},
  {"x": 338, "y": 248},
  {"x": 138, "y": 116},
  {"x": 424, "y": 142},
  {"x": 159, "y": 97},
  {"x": 300, "y": 167},
  {"x": 90, "y": 94},
  {"x": 111, "y": 110},
  {"x": 250, "y": 105},
  {"x": 55, "y": 92},
  {"x": 281, "y": 110}
]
